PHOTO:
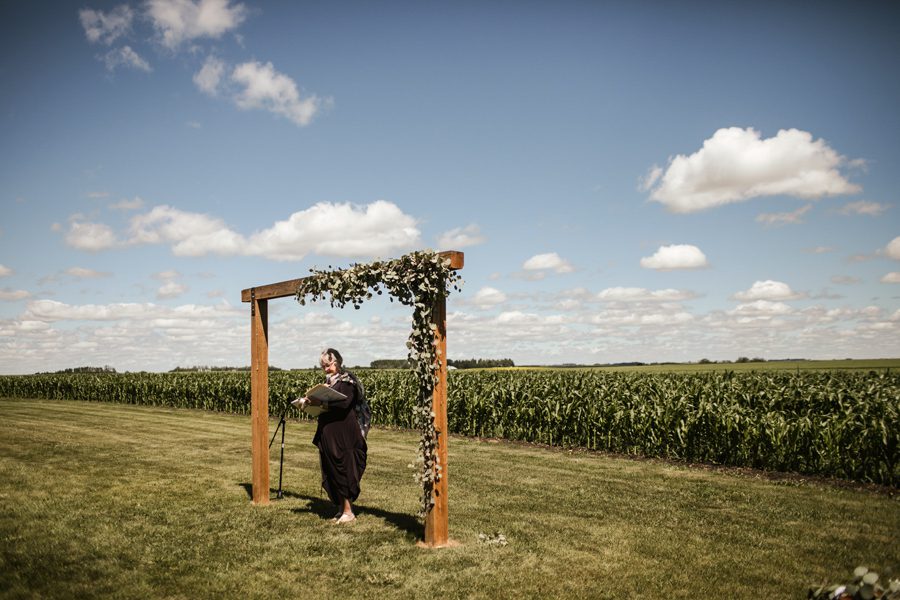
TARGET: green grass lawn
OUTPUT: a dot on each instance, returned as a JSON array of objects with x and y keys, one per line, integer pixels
[{"x": 101, "y": 500}]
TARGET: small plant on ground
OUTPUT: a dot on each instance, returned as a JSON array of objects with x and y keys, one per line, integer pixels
[{"x": 865, "y": 586}]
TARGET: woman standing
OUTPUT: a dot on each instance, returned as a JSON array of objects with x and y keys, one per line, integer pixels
[{"x": 342, "y": 447}]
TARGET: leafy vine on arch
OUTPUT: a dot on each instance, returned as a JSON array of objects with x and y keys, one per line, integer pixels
[{"x": 417, "y": 279}]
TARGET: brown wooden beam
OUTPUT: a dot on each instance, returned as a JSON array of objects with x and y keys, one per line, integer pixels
[
  {"x": 283, "y": 289},
  {"x": 259, "y": 398},
  {"x": 437, "y": 522}
]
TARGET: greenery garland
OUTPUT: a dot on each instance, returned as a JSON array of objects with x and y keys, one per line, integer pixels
[{"x": 418, "y": 280}]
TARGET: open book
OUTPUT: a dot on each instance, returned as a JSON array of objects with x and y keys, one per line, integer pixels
[{"x": 323, "y": 394}]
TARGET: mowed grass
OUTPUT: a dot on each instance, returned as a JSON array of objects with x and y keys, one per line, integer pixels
[{"x": 102, "y": 500}]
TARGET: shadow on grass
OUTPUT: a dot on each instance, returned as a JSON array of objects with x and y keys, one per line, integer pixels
[
  {"x": 248, "y": 487},
  {"x": 410, "y": 525},
  {"x": 324, "y": 509}
]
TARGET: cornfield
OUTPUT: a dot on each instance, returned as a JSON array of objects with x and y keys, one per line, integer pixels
[{"x": 838, "y": 424}]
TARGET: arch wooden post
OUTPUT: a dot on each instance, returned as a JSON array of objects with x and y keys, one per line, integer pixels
[
  {"x": 437, "y": 525},
  {"x": 259, "y": 396}
]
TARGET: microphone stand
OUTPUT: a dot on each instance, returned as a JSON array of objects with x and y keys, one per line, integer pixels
[{"x": 281, "y": 424}]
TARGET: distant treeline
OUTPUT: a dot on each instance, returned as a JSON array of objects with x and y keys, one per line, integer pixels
[
  {"x": 204, "y": 369},
  {"x": 740, "y": 359},
  {"x": 481, "y": 363},
  {"x": 106, "y": 369},
  {"x": 702, "y": 361},
  {"x": 471, "y": 363},
  {"x": 389, "y": 363}
]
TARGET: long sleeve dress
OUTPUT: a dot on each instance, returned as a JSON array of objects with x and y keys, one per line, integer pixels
[{"x": 342, "y": 447}]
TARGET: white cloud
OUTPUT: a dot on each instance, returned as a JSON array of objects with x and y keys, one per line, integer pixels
[
  {"x": 83, "y": 273},
  {"x": 106, "y": 27},
  {"x": 674, "y": 257},
  {"x": 871, "y": 311},
  {"x": 76, "y": 273},
  {"x": 568, "y": 304},
  {"x": 893, "y": 249},
  {"x": 572, "y": 299},
  {"x": 548, "y": 261},
  {"x": 653, "y": 174},
  {"x": 379, "y": 229},
  {"x": 9, "y": 295},
  {"x": 627, "y": 318},
  {"x": 819, "y": 250},
  {"x": 632, "y": 294},
  {"x": 5, "y": 271},
  {"x": 768, "y": 290},
  {"x": 517, "y": 317},
  {"x": 191, "y": 234},
  {"x": 254, "y": 85},
  {"x": 90, "y": 236},
  {"x": 171, "y": 289},
  {"x": 166, "y": 275},
  {"x": 487, "y": 297},
  {"x": 892, "y": 277},
  {"x": 265, "y": 88},
  {"x": 152, "y": 336},
  {"x": 762, "y": 308},
  {"x": 461, "y": 237},
  {"x": 862, "y": 207},
  {"x": 579, "y": 293},
  {"x": 125, "y": 57},
  {"x": 30, "y": 326},
  {"x": 845, "y": 279},
  {"x": 180, "y": 21},
  {"x": 126, "y": 204},
  {"x": 52, "y": 311},
  {"x": 785, "y": 218},
  {"x": 208, "y": 78},
  {"x": 97, "y": 195},
  {"x": 737, "y": 164},
  {"x": 156, "y": 337}
]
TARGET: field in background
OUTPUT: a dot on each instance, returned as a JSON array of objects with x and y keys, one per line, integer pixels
[
  {"x": 836, "y": 423},
  {"x": 110, "y": 500}
]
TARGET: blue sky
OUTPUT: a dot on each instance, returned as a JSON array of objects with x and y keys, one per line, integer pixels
[{"x": 628, "y": 181}]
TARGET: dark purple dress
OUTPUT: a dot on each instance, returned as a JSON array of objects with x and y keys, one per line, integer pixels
[{"x": 342, "y": 448}]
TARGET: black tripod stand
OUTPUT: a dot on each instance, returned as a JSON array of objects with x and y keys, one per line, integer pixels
[{"x": 281, "y": 424}]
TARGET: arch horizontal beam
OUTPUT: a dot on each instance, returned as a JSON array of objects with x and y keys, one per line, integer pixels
[{"x": 284, "y": 289}]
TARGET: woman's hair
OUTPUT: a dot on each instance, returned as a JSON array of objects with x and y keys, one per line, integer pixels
[{"x": 330, "y": 355}]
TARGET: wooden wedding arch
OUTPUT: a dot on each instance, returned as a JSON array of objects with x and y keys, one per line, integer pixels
[{"x": 436, "y": 519}]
